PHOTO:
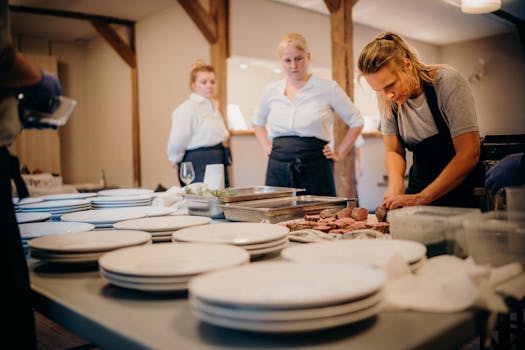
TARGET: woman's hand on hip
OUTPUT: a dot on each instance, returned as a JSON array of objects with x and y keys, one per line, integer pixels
[{"x": 329, "y": 153}]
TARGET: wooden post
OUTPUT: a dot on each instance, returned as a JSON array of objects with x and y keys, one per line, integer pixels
[{"x": 341, "y": 28}]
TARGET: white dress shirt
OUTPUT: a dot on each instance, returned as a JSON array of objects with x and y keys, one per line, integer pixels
[
  {"x": 312, "y": 115},
  {"x": 196, "y": 123}
]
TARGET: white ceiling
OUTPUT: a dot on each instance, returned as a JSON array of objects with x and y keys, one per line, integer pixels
[{"x": 433, "y": 21}]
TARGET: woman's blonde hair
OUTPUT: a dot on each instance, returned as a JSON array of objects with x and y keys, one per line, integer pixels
[
  {"x": 390, "y": 49},
  {"x": 200, "y": 66},
  {"x": 294, "y": 40}
]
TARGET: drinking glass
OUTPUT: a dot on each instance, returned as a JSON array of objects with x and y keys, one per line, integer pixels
[{"x": 187, "y": 173}]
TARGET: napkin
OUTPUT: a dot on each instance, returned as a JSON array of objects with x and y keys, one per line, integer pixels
[{"x": 171, "y": 198}]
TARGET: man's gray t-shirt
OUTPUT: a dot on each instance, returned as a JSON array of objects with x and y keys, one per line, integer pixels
[{"x": 454, "y": 100}]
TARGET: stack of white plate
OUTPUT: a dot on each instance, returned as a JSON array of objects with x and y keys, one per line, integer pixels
[
  {"x": 256, "y": 238},
  {"x": 56, "y": 208},
  {"x": 102, "y": 202},
  {"x": 370, "y": 252},
  {"x": 121, "y": 192},
  {"x": 161, "y": 227},
  {"x": 280, "y": 297},
  {"x": 23, "y": 218},
  {"x": 39, "y": 229},
  {"x": 105, "y": 218},
  {"x": 62, "y": 196},
  {"x": 166, "y": 267},
  {"x": 28, "y": 200},
  {"x": 83, "y": 247}
]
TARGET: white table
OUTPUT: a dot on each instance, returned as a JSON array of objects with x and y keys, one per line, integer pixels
[{"x": 115, "y": 318}]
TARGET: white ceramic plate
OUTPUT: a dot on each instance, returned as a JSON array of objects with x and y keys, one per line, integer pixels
[
  {"x": 79, "y": 258},
  {"x": 64, "y": 196},
  {"x": 237, "y": 233},
  {"x": 23, "y": 218},
  {"x": 162, "y": 223},
  {"x": 27, "y": 200},
  {"x": 261, "y": 251},
  {"x": 145, "y": 279},
  {"x": 59, "y": 204},
  {"x": 287, "y": 285},
  {"x": 265, "y": 245},
  {"x": 147, "y": 287},
  {"x": 287, "y": 326},
  {"x": 254, "y": 314},
  {"x": 38, "y": 229},
  {"x": 372, "y": 252},
  {"x": 125, "y": 192},
  {"x": 90, "y": 242},
  {"x": 112, "y": 215},
  {"x": 121, "y": 199},
  {"x": 172, "y": 259}
]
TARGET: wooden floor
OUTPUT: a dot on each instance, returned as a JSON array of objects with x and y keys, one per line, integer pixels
[{"x": 51, "y": 336}]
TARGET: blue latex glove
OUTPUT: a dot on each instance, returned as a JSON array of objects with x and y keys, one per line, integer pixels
[
  {"x": 508, "y": 171},
  {"x": 39, "y": 97}
]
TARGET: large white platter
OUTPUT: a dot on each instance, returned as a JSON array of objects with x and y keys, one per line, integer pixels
[
  {"x": 256, "y": 314},
  {"x": 112, "y": 215},
  {"x": 237, "y": 233},
  {"x": 162, "y": 223},
  {"x": 287, "y": 285},
  {"x": 287, "y": 326},
  {"x": 147, "y": 287},
  {"x": 38, "y": 229},
  {"x": 59, "y": 204},
  {"x": 172, "y": 259},
  {"x": 27, "y": 200},
  {"x": 89, "y": 242},
  {"x": 121, "y": 199},
  {"x": 372, "y": 252},
  {"x": 24, "y": 217},
  {"x": 64, "y": 196},
  {"x": 125, "y": 192}
]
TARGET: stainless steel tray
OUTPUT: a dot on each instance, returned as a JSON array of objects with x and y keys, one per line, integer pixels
[
  {"x": 207, "y": 205},
  {"x": 281, "y": 209}
]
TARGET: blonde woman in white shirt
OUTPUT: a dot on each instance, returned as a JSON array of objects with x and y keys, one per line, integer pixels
[
  {"x": 294, "y": 123},
  {"x": 198, "y": 132}
]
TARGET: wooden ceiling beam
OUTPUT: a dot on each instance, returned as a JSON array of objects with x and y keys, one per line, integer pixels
[
  {"x": 201, "y": 18},
  {"x": 115, "y": 41}
]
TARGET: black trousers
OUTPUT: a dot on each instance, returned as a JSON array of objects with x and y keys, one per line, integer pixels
[{"x": 17, "y": 310}]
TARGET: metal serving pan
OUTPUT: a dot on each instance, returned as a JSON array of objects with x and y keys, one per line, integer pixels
[
  {"x": 281, "y": 209},
  {"x": 207, "y": 205}
]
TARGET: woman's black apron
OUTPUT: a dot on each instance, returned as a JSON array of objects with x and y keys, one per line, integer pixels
[
  {"x": 299, "y": 162},
  {"x": 431, "y": 156},
  {"x": 200, "y": 157}
]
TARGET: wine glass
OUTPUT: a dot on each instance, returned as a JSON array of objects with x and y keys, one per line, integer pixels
[{"x": 187, "y": 173}]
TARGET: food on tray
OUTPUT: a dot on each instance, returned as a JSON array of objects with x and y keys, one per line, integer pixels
[
  {"x": 381, "y": 213},
  {"x": 336, "y": 222}
]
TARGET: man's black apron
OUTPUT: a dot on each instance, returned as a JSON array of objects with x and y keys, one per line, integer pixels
[
  {"x": 431, "y": 156},
  {"x": 200, "y": 157},
  {"x": 299, "y": 162}
]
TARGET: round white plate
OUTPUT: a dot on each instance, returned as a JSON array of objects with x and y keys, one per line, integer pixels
[
  {"x": 173, "y": 259},
  {"x": 372, "y": 252},
  {"x": 270, "y": 244},
  {"x": 112, "y": 215},
  {"x": 92, "y": 241},
  {"x": 162, "y": 223},
  {"x": 27, "y": 200},
  {"x": 261, "y": 251},
  {"x": 24, "y": 217},
  {"x": 63, "y": 196},
  {"x": 125, "y": 192},
  {"x": 121, "y": 199},
  {"x": 287, "y": 326},
  {"x": 79, "y": 258},
  {"x": 59, "y": 204},
  {"x": 287, "y": 285},
  {"x": 254, "y": 314},
  {"x": 147, "y": 287},
  {"x": 145, "y": 279},
  {"x": 38, "y": 229},
  {"x": 237, "y": 233}
]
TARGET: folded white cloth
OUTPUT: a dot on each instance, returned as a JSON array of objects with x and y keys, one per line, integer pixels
[
  {"x": 447, "y": 283},
  {"x": 171, "y": 198}
]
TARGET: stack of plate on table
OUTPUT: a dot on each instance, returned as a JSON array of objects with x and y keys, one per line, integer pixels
[
  {"x": 83, "y": 247},
  {"x": 39, "y": 229},
  {"x": 166, "y": 267},
  {"x": 161, "y": 228},
  {"x": 105, "y": 218},
  {"x": 28, "y": 200},
  {"x": 256, "y": 238},
  {"x": 280, "y": 297},
  {"x": 23, "y": 218},
  {"x": 62, "y": 196},
  {"x": 102, "y": 202},
  {"x": 370, "y": 252},
  {"x": 56, "y": 208}
]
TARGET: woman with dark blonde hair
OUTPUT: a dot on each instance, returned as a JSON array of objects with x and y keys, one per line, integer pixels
[
  {"x": 198, "y": 133},
  {"x": 294, "y": 123},
  {"x": 429, "y": 110}
]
